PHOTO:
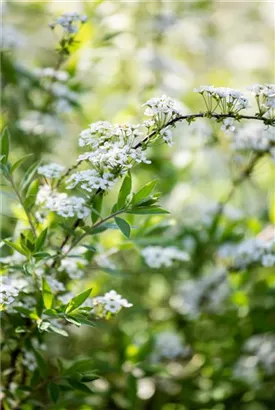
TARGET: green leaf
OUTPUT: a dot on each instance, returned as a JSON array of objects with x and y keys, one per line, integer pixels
[
  {"x": 123, "y": 226},
  {"x": 144, "y": 192},
  {"x": 78, "y": 300},
  {"x": 81, "y": 366},
  {"x": 41, "y": 240},
  {"x": 5, "y": 144},
  {"x": 125, "y": 190},
  {"x": 16, "y": 247},
  {"x": 42, "y": 365},
  {"x": 96, "y": 207},
  {"x": 18, "y": 163},
  {"x": 59, "y": 331},
  {"x": 47, "y": 294},
  {"x": 31, "y": 194},
  {"x": 79, "y": 386},
  {"x": 89, "y": 377},
  {"x": 146, "y": 210},
  {"x": 29, "y": 176},
  {"x": 53, "y": 390}
]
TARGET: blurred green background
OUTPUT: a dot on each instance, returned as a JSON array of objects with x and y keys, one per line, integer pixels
[{"x": 129, "y": 52}]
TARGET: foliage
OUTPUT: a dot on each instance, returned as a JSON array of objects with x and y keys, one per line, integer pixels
[{"x": 196, "y": 329}]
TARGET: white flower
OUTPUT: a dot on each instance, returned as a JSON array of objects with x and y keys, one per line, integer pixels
[
  {"x": 55, "y": 284},
  {"x": 253, "y": 137},
  {"x": 90, "y": 180},
  {"x": 51, "y": 170},
  {"x": 61, "y": 203},
  {"x": 162, "y": 110},
  {"x": 167, "y": 135},
  {"x": 51, "y": 73},
  {"x": 228, "y": 99},
  {"x": 111, "y": 302},
  {"x": 70, "y": 22},
  {"x": 157, "y": 256},
  {"x": 255, "y": 250},
  {"x": 168, "y": 345},
  {"x": 29, "y": 360},
  {"x": 228, "y": 125},
  {"x": 204, "y": 294},
  {"x": 10, "y": 288}
]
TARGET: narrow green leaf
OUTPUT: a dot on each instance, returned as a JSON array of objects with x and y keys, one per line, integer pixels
[
  {"x": 18, "y": 163},
  {"x": 59, "y": 331},
  {"x": 123, "y": 226},
  {"x": 5, "y": 145},
  {"x": 79, "y": 386},
  {"x": 81, "y": 366},
  {"x": 16, "y": 247},
  {"x": 53, "y": 390},
  {"x": 47, "y": 294},
  {"x": 29, "y": 176},
  {"x": 78, "y": 300},
  {"x": 144, "y": 192},
  {"x": 42, "y": 365},
  {"x": 41, "y": 240},
  {"x": 96, "y": 207},
  {"x": 125, "y": 190},
  {"x": 31, "y": 194}
]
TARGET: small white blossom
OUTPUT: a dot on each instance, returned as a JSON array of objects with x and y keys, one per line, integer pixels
[
  {"x": 255, "y": 250},
  {"x": 61, "y": 203},
  {"x": 254, "y": 137},
  {"x": 111, "y": 302},
  {"x": 204, "y": 294},
  {"x": 10, "y": 289},
  {"x": 51, "y": 170},
  {"x": 157, "y": 256},
  {"x": 90, "y": 180},
  {"x": 29, "y": 360},
  {"x": 168, "y": 345},
  {"x": 228, "y": 125},
  {"x": 70, "y": 22},
  {"x": 227, "y": 99}
]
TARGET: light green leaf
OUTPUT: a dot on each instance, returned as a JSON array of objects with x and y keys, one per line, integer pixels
[
  {"x": 78, "y": 300},
  {"x": 16, "y": 247},
  {"x": 123, "y": 226},
  {"x": 18, "y": 163},
  {"x": 47, "y": 294},
  {"x": 144, "y": 192},
  {"x": 41, "y": 240},
  {"x": 5, "y": 145},
  {"x": 125, "y": 190}
]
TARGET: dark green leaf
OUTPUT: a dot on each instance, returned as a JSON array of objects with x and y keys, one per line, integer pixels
[
  {"x": 53, "y": 390},
  {"x": 96, "y": 207},
  {"x": 123, "y": 226},
  {"x": 79, "y": 386}
]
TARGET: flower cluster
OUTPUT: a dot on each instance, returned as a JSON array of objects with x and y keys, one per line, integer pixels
[
  {"x": 70, "y": 22},
  {"x": 91, "y": 180},
  {"x": 61, "y": 203},
  {"x": 204, "y": 294},
  {"x": 110, "y": 303},
  {"x": 73, "y": 264},
  {"x": 10, "y": 289},
  {"x": 256, "y": 138},
  {"x": 226, "y": 99},
  {"x": 51, "y": 170},
  {"x": 157, "y": 256},
  {"x": 114, "y": 151},
  {"x": 259, "y": 356},
  {"x": 168, "y": 345},
  {"x": 255, "y": 250},
  {"x": 51, "y": 73},
  {"x": 265, "y": 97}
]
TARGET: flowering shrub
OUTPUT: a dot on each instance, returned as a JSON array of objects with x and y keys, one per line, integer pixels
[{"x": 63, "y": 212}]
